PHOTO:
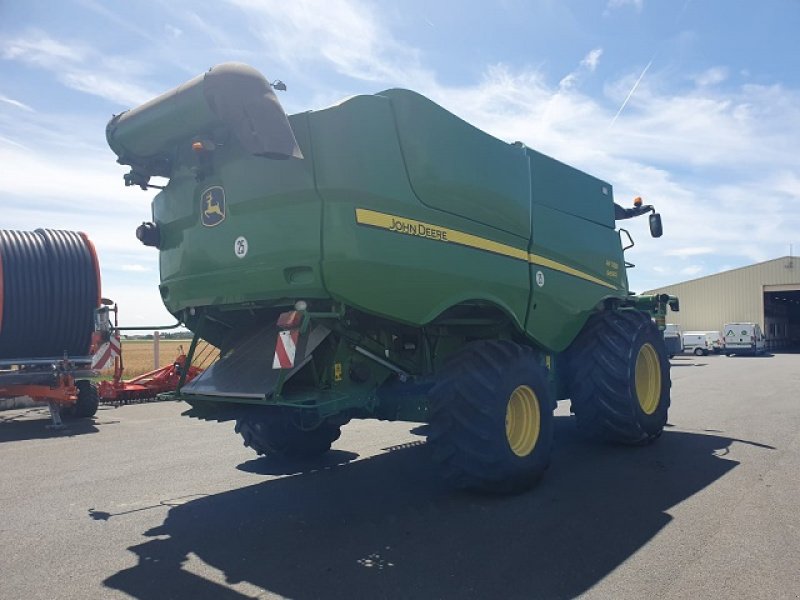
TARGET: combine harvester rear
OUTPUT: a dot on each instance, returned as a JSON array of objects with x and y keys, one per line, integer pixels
[{"x": 384, "y": 259}]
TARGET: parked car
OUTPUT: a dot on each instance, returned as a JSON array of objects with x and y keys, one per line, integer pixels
[
  {"x": 744, "y": 338},
  {"x": 696, "y": 342}
]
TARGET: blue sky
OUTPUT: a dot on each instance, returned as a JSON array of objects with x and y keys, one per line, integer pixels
[{"x": 709, "y": 134}]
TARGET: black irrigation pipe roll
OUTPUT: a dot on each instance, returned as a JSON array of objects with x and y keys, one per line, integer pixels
[{"x": 50, "y": 286}]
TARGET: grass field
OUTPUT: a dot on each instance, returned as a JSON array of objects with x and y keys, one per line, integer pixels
[{"x": 138, "y": 355}]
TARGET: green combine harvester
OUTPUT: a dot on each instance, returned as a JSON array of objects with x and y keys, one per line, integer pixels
[{"x": 384, "y": 259}]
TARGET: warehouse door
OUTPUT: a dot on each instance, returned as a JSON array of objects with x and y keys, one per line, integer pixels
[{"x": 782, "y": 317}]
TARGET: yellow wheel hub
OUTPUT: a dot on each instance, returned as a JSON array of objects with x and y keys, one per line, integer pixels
[
  {"x": 648, "y": 379},
  {"x": 523, "y": 420}
]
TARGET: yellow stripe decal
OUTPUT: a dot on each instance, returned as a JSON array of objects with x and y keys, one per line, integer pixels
[
  {"x": 452, "y": 236},
  {"x": 535, "y": 259},
  {"x": 435, "y": 232}
]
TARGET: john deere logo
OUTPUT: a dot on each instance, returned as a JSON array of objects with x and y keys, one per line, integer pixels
[{"x": 212, "y": 206}]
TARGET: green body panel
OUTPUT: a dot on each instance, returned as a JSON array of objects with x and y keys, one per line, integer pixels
[
  {"x": 562, "y": 305},
  {"x": 273, "y": 204},
  {"x": 405, "y": 278},
  {"x": 459, "y": 169},
  {"x": 566, "y": 189},
  {"x": 573, "y": 224}
]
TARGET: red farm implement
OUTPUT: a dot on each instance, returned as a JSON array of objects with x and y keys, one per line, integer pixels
[
  {"x": 147, "y": 386},
  {"x": 143, "y": 387}
]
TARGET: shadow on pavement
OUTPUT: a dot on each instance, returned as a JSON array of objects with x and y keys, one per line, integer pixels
[
  {"x": 277, "y": 465},
  {"x": 384, "y": 527},
  {"x": 33, "y": 424}
]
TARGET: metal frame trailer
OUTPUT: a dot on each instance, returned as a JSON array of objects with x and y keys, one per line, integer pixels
[{"x": 55, "y": 380}]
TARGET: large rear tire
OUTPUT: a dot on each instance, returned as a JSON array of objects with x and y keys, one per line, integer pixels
[
  {"x": 491, "y": 421},
  {"x": 87, "y": 403},
  {"x": 274, "y": 432},
  {"x": 620, "y": 381}
]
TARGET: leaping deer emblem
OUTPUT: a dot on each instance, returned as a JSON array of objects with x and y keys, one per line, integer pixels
[{"x": 212, "y": 207}]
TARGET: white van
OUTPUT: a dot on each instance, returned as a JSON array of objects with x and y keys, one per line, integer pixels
[
  {"x": 716, "y": 341},
  {"x": 743, "y": 338},
  {"x": 697, "y": 343}
]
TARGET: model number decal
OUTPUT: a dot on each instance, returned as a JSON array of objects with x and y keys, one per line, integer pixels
[{"x": 612, "y": 269}]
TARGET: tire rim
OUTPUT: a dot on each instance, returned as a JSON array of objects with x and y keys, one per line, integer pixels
[
  {"x": 523, "y": 420},
  {"x": 648, "y": 379}
]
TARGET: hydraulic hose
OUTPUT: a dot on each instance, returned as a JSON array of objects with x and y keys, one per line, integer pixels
[{"x": 49, "y": 289}]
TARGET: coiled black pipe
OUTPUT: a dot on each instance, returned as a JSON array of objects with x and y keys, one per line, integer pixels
[{"x": 50, "y": 288}]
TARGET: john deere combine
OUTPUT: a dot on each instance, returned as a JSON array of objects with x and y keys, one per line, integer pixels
[{"x": 384, "y": 259}]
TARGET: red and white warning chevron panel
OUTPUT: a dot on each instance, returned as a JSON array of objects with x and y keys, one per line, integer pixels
[
  {"x": 106, "y": 352},
  {"x": 285, "y": 349}
]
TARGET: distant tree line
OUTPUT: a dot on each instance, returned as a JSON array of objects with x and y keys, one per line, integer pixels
[{"x": 166, "y": 335}]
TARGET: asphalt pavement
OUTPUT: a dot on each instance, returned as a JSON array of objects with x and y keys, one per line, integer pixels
[{"x": 144, "y": 503}]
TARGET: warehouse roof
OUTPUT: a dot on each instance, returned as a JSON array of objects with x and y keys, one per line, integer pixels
[{"x": 795, "y": 262}]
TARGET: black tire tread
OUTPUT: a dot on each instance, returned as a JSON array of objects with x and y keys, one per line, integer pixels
[
  {"x": 87, "y": 403},
  {"x": 272, "y": 432},
  {"x": 600, "y": 359},
  {"x": 462, "y": 421}
]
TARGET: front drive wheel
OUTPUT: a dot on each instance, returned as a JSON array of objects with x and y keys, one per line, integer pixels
[
  {"x": 620, "y": 379},
  {"x": 274, "y": 431},
  {"x": 491, "y": 423}
]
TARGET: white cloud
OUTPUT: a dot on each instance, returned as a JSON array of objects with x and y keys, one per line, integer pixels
[
  {"x": 588, "y": 64},
  {"x": 591, "y": 60},
  {"x": 10, "y": 142},
  {"x": 712, "y": 76},
  {"x": 209, "y": 31},
  {"x": 691, "y": 251},
  {"x": 345, "y": 34},
  {"x": 139, "y": 27},
  {"x": 80, "y": 67},
  {"x": 15, "y": 103},
  {"x": 106, "y": 85},
  {"x": 692, "y": 270},
  {"x": 76, "y": 182},
  {"x": 40, "y": 50},
  {"x": 173, "y": 31},
  {"x": 617, "y": 4},
  {"x": 135, "y": 268}
]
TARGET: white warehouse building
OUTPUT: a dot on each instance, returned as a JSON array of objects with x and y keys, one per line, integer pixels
[{"x": 766, "y": 293}]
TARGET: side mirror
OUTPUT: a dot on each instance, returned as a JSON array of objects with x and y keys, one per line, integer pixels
[{"x": 655, "y": 225}]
